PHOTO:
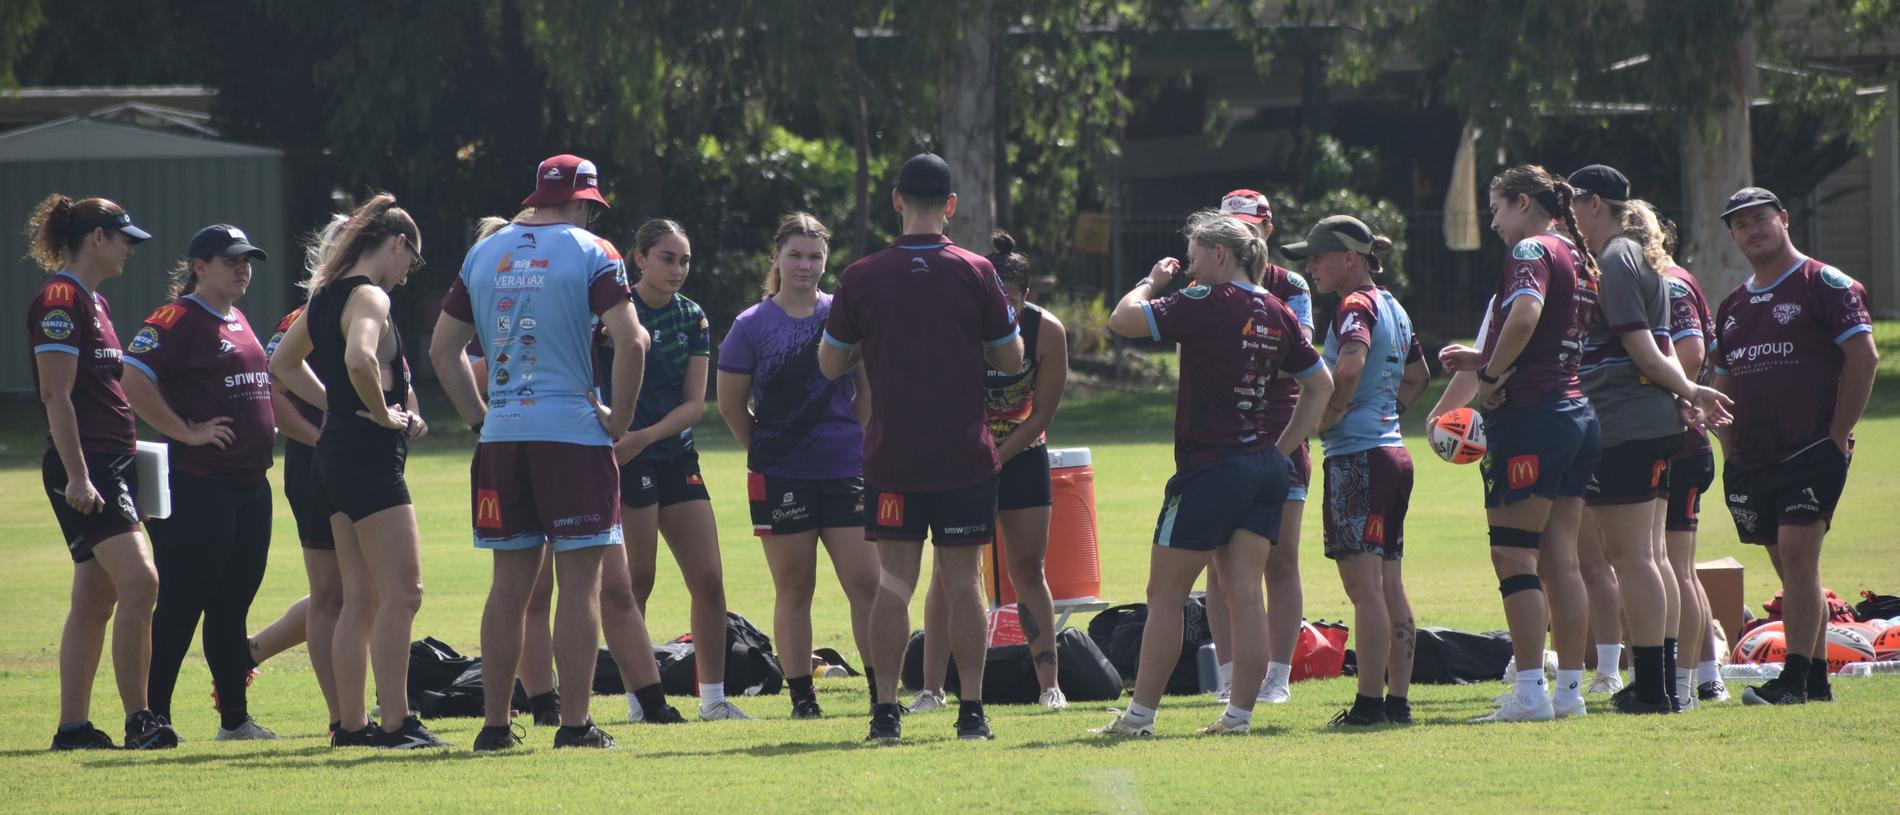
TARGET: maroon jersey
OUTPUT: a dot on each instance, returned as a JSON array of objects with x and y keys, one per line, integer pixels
[
  {"x": 1283, "y": 395},
  {"x": 1236, "y": 338},
  {"x": 1548, "y": 268},
  {"x": 309, "y": 412},
  {"x": 65, "y": 318},
  {"x": 924, "y": 310},
  {"x": 1784, "y": 341},
  {"x": 1689, "y": 317},
  {"x": 208, "y": 365}
]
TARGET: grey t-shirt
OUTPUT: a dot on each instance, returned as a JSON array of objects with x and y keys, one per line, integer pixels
[{"x": 1631, "y": 296}]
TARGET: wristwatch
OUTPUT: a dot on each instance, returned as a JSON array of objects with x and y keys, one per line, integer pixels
[{"x": 1486, "y": 379}]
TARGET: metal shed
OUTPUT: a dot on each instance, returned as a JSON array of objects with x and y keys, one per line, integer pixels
[{"x": 175, "y": 181}]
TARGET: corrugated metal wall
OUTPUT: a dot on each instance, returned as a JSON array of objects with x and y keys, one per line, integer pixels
[{"x": 172, "y": 199}]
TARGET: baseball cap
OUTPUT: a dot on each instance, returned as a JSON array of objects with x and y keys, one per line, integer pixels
[
  {"x": 563, "y": 178},
  {"x": 1749, "y": 197},
  {"x": 925, "y": 175},
  {"x": 121, "y": 222},
  {"x": 223, "y": 240},
  {"x": 1601, "y": 181},
  {"x": 1333, "y": 233},
  {"x": 1247, "y": 205}
]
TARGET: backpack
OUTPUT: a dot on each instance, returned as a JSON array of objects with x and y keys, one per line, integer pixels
[
  {"x": 1117, "y": 633},
  {"x": 1009, "y": 673},
  {"x": 751, "y": 667},
  {"x": 1876, "y": 607}
]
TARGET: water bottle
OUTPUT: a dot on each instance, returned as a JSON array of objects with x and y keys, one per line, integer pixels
[
  {"x": 1891, "y": 666},
  {"x": 1208, "y": 666},
  {"x": 1764, "y": 670}
]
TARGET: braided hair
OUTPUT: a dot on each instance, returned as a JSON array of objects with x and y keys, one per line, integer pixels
[{"x": 1551, "y": 193}]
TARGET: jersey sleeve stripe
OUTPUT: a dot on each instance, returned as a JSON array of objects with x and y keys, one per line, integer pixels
[
  {"x": 55, "y": 348},
  {"x": 1859, "y": 329},
  {"x": 143, "y": 368},
  {"x": 1004, "y": 340},
  {"x": 1154, "y": 330},
  {"x": 1317, "y": 367},
  {"x": 1687, "y": 332},
  {"x": 838, "y": 343},
  {"x": 1512, "y": 297}
]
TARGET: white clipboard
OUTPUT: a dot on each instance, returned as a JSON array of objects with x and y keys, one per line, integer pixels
[{"x": 153, "y": 463}]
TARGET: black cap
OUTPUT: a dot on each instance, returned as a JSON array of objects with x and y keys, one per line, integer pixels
[
  {"x": 924, "y": 176},
  {"x": 1749, "y": 197},
  {"x": 121, "y": 222},
  {"x": 1601, "y": 181},
  {"x": 223, "y": 240}
]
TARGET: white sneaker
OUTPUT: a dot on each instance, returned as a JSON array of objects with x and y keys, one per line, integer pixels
[
  {"x": 1274, "y": 693},
  {"x": 928, "y": 700},
  {"x": 1225, "y": 694},
  {"x": 1219, "y": 727},
  {"x": 250, "y": 730},
  {"x": 1606, "y": 683},
  {"x": 1052, "y": 699},
  {"x": 1687, "y": 702},
  {"x": 1564, "y": 708},
  {"x": 1503, "y": 698},
  {"x": 635, "y": 714},
  {"x": 724, "y": 710},
  {"x": 1516, "y": 711},
  {"x": 1121, "y": 728}
]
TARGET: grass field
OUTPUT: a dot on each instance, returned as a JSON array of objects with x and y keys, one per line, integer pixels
[{"x": 1722, "y": 758}]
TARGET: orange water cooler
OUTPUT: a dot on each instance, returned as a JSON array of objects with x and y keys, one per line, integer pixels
[{"x": 1073, "y": 565}]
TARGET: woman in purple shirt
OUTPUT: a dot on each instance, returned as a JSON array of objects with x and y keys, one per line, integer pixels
[{"x": 804, "y": 437}]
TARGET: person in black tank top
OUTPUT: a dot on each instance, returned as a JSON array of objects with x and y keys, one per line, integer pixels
[
  {"x": 1018, "y": 407},
  {"x": 347, "y": 333}
]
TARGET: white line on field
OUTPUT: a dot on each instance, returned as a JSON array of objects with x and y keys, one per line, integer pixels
[{"x": 1117, "y": 788}]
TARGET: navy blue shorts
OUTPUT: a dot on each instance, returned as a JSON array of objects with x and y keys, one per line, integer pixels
[
  {"x": 1803, "y": 488},
  {"x": 1204, "y": 506},
  {"x": 1689, "y": 478},
  {"x": 1549, "y": 451}
]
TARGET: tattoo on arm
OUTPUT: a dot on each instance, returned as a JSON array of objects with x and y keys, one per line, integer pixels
[{"x": 1032, "y": 631}]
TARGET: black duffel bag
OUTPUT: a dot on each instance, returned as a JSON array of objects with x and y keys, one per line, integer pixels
[
  {"x": 1448, "y": 656},
  {"x": 1009, "y": 673},
  {"x": 751, "y": 667},
  {"x": 1117, "y": 632}
]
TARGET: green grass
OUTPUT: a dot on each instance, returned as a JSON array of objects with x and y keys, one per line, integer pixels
[{"x": 1726, "y": 757}]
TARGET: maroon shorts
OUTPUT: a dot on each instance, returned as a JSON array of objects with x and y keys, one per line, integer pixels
[
  {"x": 525, "y": 492},
  {"x": 1367, "y": 494}
]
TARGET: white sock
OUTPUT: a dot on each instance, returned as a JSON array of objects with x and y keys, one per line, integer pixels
[
  {"x": 1610, "y": 659},
  {"x": 1530, "y": 687},
  {"x": 1138, "y": 716},
  {"x": 1278, "y": 673},
  {"x": 1235, "y": 717},
  {"x": 1685, "y": 683},
  {"x": 711, "y": 695},
  {"x": 1226, "y": 674},
  {"x": 634, "y": 712},
  {"x": 1569, "y": 684},
  {"x": 1707, "y": 671}
]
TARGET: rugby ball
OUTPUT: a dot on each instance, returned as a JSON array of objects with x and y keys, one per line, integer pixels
[
  {"x": 1887, "y": 645},
  {"x": 1763, "y": 643},
  {"x": 1458, "y": 436},
  {"x": 1847, "y": 644}
]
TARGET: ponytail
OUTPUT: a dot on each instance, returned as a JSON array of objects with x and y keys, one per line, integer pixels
[
  {"x": 49, "y": 230},
  {"x": 184, "y": 279},
  {"x": 372, "y": 223},
  {"x": 317, "y": 246},
  {"x": 1565, "y": 195},
  {"x": 1639, "y": 222},
  {"x": 1011, "y": 266}
]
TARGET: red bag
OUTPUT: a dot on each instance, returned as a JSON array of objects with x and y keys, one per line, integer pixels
[{"x": 1321, "y": 651}]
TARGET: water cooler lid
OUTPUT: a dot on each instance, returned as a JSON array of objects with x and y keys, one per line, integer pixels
[{"x": 1069, "y": 457}]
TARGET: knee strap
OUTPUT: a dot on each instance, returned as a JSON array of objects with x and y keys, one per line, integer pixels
[
  {"x": 1515, "y": 538},
  {"x": 1519, "y": 582}
]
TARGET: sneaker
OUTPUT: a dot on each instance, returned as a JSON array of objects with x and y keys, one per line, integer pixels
[
  {"x": 724, "y": 710},
  {"x": 582, "y": 735},
  {"x": 1225, "y": 693},
  {"x": 926, "y": 701},
  {"x": 1605, "y": 683},
  {"x": 369, "y": 736},
  {"x": 1773, "y": 692},
  {"x": 1821, "y": 696},
  {"x": 1052, "y": 699},
  {"x": 412, "y": 735},
  {"x": 250, "y": 730},
  {"x": 1121, "y": 727},
  {"x": 807, "y": 709},
  {"x": 1219, "y": 727},
  {"x": 886, "y": 726},
  {"x": 1566, "y": 709},
  {"x": 146, "y": 730},
  {"x": 1629, "y": 702},
  {"x": 974, "y": 727},
  {"x": 546, "y": 709},
  {"x": 1274, "y": 693},
  {"x": 1514, "y": 710},
  {"x": 1684, "y": 704},
  {"x": 499, "y": 737},
  {"x": 1352, "y": 718},
  {"x": 1504, "y": 698},
  {"x": 1398, "y": 714},
  {"x": 82, "y": 738},
  {"x": 667, "y": 715},
  {"x": 1714, "y": 690}
]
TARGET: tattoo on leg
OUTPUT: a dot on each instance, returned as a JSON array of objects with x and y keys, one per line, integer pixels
[
  {"x": 1404, "y": 634},
  {"x": 1032, "y": 631}
]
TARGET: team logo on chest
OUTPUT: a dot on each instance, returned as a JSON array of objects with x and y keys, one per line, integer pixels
[{"x": 1786, "y": 312}]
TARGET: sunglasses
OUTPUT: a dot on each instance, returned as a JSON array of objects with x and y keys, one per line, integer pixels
[{"x": 417, "y": 264}]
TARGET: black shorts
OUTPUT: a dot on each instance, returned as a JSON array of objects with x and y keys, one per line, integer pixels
[
  {"x": 959, "y": 517},
  {"x": 1023, "y": 482},
  {"x": 361, "y": 472},
  {"x": 664, "y": 481},
  {"x": 1547, "y": 450},
  {"x": 308, "y": 503},
  {"x": 117, "y": 481},
  {"x": 789, "y": 506},
  {"x": 1805, "y": 487},
  {"x": 1204, "y": 506},
  {"x": 1689, "y": 478},
  {"x": 1633, "y": 472}
]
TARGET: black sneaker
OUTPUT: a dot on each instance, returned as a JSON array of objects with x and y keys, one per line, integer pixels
[
  {"x": 1821, "y": 694},
  {"x": 1633, "y": 704},
  {"x": 412, "y": 735},
  {"x": 1354, "y": 718},
  {"x": 886, "y": 726},
  {"x": 582, "y": 735},
  {"x": 369, "y": 736},
  {"x": 1774, "y": 692},
  {"x": 1714, "y": 690},
  {"x": 1398, "y": 712},
  {"x": 807, "y": 709},
  {"x": 82, "y": 738},
  {"x": 974, "y": 727},
  {"x": 546, "y": 709},
  {"x": 499, "y": 737},
  {"x": 667, "y": 715},
  {"x": 146, "y": 730}
]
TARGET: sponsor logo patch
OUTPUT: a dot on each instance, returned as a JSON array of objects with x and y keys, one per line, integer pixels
[
  {"x": 1836, "y": 278},
  {"x": 1528, "y": 249},
  {"x": 57, "y": 324},
  {"x": 1521, "y": 471},
  {"x": 487, "y": 509},
  {"x": 890, "y": 509},
  {"x": 147, "y": 340},
  {"x": 61, "y": 294},
  {"x": 1196, "y": 292},
  {"x": 167, "y": 315},
  {"x": 1786, "y": 312}
]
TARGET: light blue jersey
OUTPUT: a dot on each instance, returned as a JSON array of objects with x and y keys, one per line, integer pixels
[
  {"x": 1371, "y": 316},
  {"x": 534, "y": 293}
]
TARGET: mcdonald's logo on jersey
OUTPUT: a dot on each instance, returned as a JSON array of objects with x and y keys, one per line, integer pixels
[
  {"x": 1521, "y": 471},
  {"x": 61, "y": 293},
  {"x": 487, "y": 509},
  {"x": 890, "y": 509},
  {"x": 1375, "y": 529},
  {"x": 167, "y": 315}
]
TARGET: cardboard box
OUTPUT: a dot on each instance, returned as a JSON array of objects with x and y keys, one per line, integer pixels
[{"x": 1722, "y": 581}]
